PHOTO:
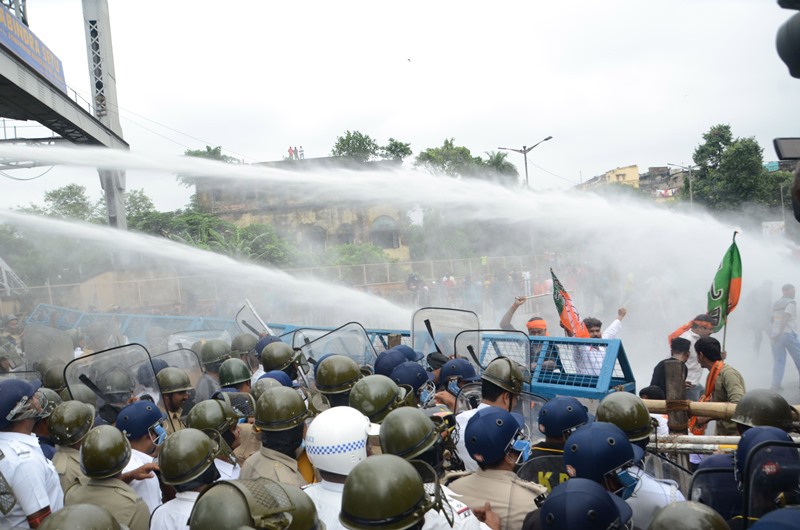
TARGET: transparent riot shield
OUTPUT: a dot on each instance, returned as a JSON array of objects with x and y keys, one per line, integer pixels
[
  {"x": 717, "y": 488},
  {"x": 185, "y": 339},
  {"x": 350, "y": 340},
  {"x": 435, "y": 329},
  {"x": 548, "y": 471},
  {"x": 664, "y": 467},
  {"x": 117, "y": 376},
  {"x": 189, "y": 363},
  {"x": 469, "y": 397},
  {"x": 248, "y": 321},
  {"x": 528, "y": 406},
  {"x": 771, "y": 477},
  {"x": 242, "y": 403},
  {"x": 437, "y": 499},
  {"x": 43, "y": 343},
  {"x": 481, "y": 347}
]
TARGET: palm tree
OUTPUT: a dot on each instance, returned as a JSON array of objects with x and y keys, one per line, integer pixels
[{"x": 501, "y": 170}]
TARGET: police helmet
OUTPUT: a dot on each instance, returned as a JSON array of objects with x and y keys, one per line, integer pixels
[
  {"x": 139, "y": 419},
  {"x": 70, "y": 422},
  {"x": 117, "y": 384},
  {"x": 17, "y": 403},
  {"x": 489, "y": 433},
  {"x": 280, "y": 409},
  {"x": 581, "y": 504},
  {"x": 277, "y": 356},
  {"x": 628, "y": 412},
  {"x": 79, "y": 392},
  {"x": 773, "y": 468},
  {"x": 50, "y": 402},
  {"x": 375, "y": 396},
  {"x": 53, "y": 377},
  {"x": 83, "y": 516},
  {"x": 388, "y": 360},
  {"x": 407, "y": 432},
  {"x": 781, "y": 519},
  {"x": 561, "y": 416},
  {"x": 105, "y": 452},
  {"x": 234, "y": 371},
  {"x": 185, "y": 455},
  {"x": 504, "y": 373},
  {"x": 172, "y": 380},
  {"x": 337, "y": 440},
  {"x": 262, "y": 384},
  {"x": 336, "y": 374},
  {"x": 411, "y": 374},
  {"x": 763, "y": 408},
  {"x": 214, "y": 351},
  {"x": 687, "y": 515},
  {"x": 243, "y": 344}
]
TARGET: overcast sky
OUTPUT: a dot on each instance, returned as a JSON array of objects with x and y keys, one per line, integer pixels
[{"x": 615, "y": 83}]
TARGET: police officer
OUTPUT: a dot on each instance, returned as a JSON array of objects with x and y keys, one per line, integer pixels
[
  {"x": 490, "y": 437},
  {"x": 501, "y": 385},
  {"x": 453, "y": 375},
  {"x": 688, "y": 515},
  {"x": 254, "y": 356},
  {"x": 580, "y": 504},
  {"x": 217, "y": 420},
  {"x": 234, "y": 374},
  {"x": 70, "y": 422},
  {"x": 27, "y": 475},
  {"x": 763, "y": 408},
  {"x": 42, "y": 427},
  {"x": 243, "y": 346},
  {"x": 335, "y": 442},
  {"x": 412, "y": 374},
  {"x": 212, "y": 355},
  {"x": 280, "y": 414},
  {"x": 143, "y": 425},
  {"x": 280, "y": 356},
  {"x": 175, "y": 387},
  {"x": 104, "y": 454},
  {"x": 375, "y": 396},
  {"x": 83, "y": 516},
  {"x": 385, "y": 491},
  {"x": 335, "y": 377},
  {"x": 260, "y": 503},
  {"x": 186, "y": 461},
  {"x": 388, "y": 360}
]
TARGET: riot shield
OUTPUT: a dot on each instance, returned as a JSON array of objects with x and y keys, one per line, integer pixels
[
  {"x": 435, "y": 329},
  {"x": 117, "y": 376},
  {"x": 350, "y": 340},
  {"x": 242, "y": 403},
  {"x": 248, "y": 321},
  {"x": 469, "y": 397},
  {"x": 43, "y": 343},
  {"x": 185, "y": 339},
  {"x": 771, "y": 477},
  {"x": 186, "y": 360},
  {"x": 548, "y": 471},
  {"x": 717, "y": 488},
  {"x": 528, "y": 406},
  {"x": 481, "y": 347}
]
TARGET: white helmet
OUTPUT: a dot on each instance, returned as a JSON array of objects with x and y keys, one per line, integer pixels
[{"x": 337, "y": 439}]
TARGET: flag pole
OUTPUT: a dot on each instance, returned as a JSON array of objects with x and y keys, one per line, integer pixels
[{"x": 727, "y": 304}]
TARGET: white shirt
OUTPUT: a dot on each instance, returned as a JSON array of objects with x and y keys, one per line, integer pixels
[
  {"x": 31, "y": 476},
  {"x": 174, "y": 515},
  {"x": 650, "y": 495},
  {"x": 589, "y": 359},
  {"x": 257, "y": 375},
  {"x": 663, "y": 426},
  {"x": 227, "y": 471},
  {"x": 694, "y": 372},
  {"x": 463, "y": 518},
  {"x": 462, "y": 418},
  {"x": 327, "y": 497},
  {"x": 148, "y": 489}
]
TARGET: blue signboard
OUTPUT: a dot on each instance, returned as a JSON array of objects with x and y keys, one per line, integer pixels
[{"x": 20, "y": 40}]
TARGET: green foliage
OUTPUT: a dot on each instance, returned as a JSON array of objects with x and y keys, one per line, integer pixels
[
  {"x": 138, "y": 206},
  {"x": 357, "y": 145},
  {"x": 355, "y": 254},
  {"x": 395, "y": 150},
  {"x": 70, "y": 202},
  {"x": 499, "y": 170},
  {"x": 210, "y": 153},
  {"x": 449, "y": 159}
]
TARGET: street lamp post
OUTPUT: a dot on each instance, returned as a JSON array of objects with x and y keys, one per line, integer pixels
[
  {"x": 525, "y": 150},
  {"x": 689, "y": 169}
]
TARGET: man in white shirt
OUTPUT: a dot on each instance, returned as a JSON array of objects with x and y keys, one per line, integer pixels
[
  {"x": 27, "y": 475},
  {"x": 589, "y": 359},
  {"x": 701, "y": 326},
  {"x": 784, "y": 334},
  {"x": 143, "y": 425}
]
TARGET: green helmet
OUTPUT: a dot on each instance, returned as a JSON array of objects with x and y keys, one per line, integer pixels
[
  {"x": 197, "y": 346},
  {"x": 337, "y": 374},
  {"x": 171, "y": 379},
  {"x": 383, "y": 491},
  {"x": 504, "y": 373},
  {"x": 215, "y": 351},
  {"x": 407, "y": 432},
  {"x": 53, "y": 377},
  {"x": 304, "y": 515},
  {"x": 243, "y": 344},
  {"x": 263, "y": 384},
  {"x": 375, "y": 396},
  {"x": 764, "y": 408},
  {"x": 52, "y": 401},
  {"x": 259, "y": 504},
  {"x": 185, "y": 455},
  {"x": 277, "y": 356},
  {"x": 234, "y": 371},
  {"x": 83, "y": 516},
  {"x": 105, "y": 452},
  {"x": 687, "y": 515},
  {"x": 79, "y": 392},
  {"x": 280, "y": 409},
  {"x": 628, "y": 412},
  {"x": 70, "y": 422},
  {"x": 211, "y": 414},
  {"x": 117, "y": 384}
]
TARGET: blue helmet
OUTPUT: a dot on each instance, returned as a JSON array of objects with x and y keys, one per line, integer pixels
[
  {"x": 774, "y": 468},
  {"x": 455, "y": 370},
  {"x": 410, "y": 354},
  {"x": 411, "y": 374},
  {"x": 599, "y": 451},
  {"x": 561, "y": 416},
  {"x": 581, "y": 504},
  {"x": 141, "y": 418},
  {"x": 782, "y": 519},
  {"x": 489, "y": 434},
  {"x": 388, "y": 360},
  {"x": 280, "y": 376},
  {"x": 15, "y": 401}
]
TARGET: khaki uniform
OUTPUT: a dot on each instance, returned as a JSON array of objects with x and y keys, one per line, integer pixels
[
  {"x": 728, "y": 388},
  {"x": 115, "y": 496},
  {"x": 273, "y": 465},
  {"x": 175, "y": 424},
  {"x": 250, "y": 442},
  {"x": 511, "y": 497},
  {"x": 67, "y": 462}
]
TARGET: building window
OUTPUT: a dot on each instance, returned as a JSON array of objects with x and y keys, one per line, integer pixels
[
  {"x": 345, "y": 235},
  {"x": 385, "y": 232},
  {"x": 314, "y": 238}
]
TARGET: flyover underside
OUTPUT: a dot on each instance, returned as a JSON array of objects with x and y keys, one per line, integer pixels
[{"x": 24, "y": 95}]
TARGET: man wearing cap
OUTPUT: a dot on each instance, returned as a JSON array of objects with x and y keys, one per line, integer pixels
[
  {"x": 490, "y": 439},
  {"x": 31, "y": 478},
  {"x": 700, "y": 327},
  {"x": 784, "y": 335}
]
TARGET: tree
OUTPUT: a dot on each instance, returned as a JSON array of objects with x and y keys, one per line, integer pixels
[
  {"x": 70, "y": 202},
  {"x": 449, "y": 159},
  {"x": 500, "y": 170},
  {"x": 355, "y": 254},
  {"x": 395, "y": 150},
  {"x": 138, "y": 206},
  {"x": 357, "y": 145},
  {"x": 210, "y": 153}
]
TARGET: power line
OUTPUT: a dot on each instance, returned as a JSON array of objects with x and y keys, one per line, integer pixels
[
  {"x": 555, "y": 175},
  {"x": 45, "y": 172}
]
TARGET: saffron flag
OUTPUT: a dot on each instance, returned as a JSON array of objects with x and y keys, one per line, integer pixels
[
  {"x": 570, "y": 320},
  {"x": 727, "y": 286}
]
